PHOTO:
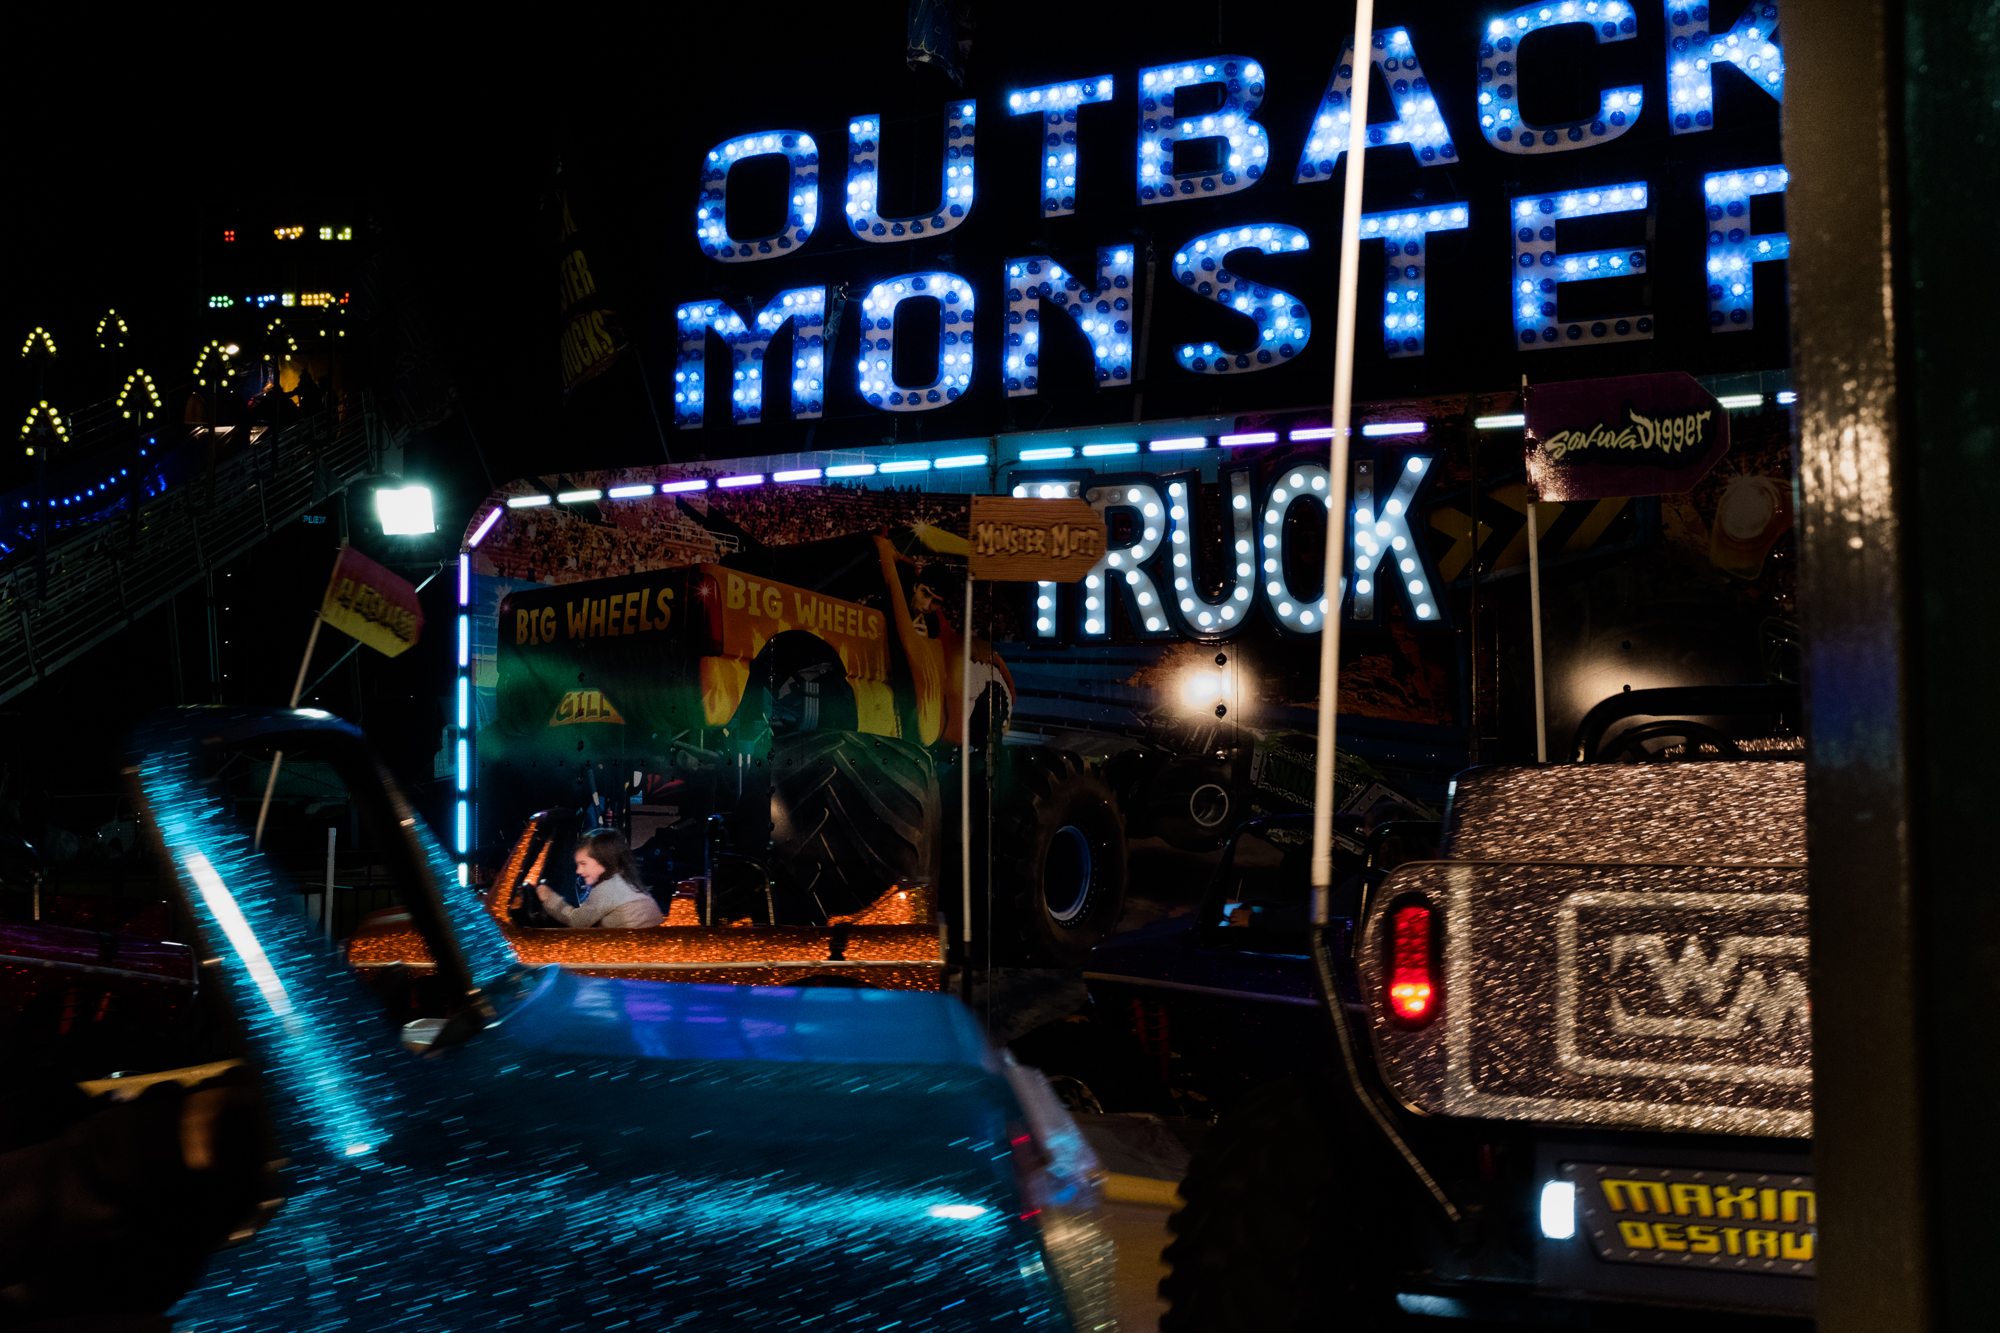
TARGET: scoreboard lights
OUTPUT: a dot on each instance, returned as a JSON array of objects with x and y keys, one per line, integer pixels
[{"x": 1276, "y": 325}]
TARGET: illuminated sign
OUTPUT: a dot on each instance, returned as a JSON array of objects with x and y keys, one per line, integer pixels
[{"x": 1207, "y": 130}]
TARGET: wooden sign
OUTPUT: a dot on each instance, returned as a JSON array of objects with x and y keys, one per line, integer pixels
[{"x": 1042, "y": 541}]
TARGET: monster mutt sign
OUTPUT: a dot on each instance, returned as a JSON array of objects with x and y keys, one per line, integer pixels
[{"x": 1035, "y": 277}]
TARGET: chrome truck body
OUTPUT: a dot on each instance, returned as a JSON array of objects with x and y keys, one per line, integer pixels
[
  {"x": 548, "y": 1147},
  {"x": 1567, "y": 1063}
]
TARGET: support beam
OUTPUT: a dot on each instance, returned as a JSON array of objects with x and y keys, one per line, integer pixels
[{"x": 1898, "y": 419}]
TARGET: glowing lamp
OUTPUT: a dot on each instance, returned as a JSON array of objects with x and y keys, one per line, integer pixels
[
  {"x": 1412, "y": 993},
  {"x": 406, "y": 512}
]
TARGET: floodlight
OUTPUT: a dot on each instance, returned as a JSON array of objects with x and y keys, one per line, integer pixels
[{"x": 406, "y": 512}]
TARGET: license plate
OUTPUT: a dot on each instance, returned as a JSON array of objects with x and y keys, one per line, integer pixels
[{"x": 1720, "y": 1221}]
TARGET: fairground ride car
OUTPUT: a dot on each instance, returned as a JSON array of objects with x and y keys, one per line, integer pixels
[
  {"x": 547, "y": 1147},
  {"x": 784, "y": 727},
  {"x": 1565, "y": 1064},
  {"x": 896, "y": 944}
]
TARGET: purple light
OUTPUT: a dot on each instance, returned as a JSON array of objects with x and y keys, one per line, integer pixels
[
  {"x": 669, "y": 487},
  {"x": 753, "y": 479},
  {"x": 1254, "y": 437},
  {"x": 492, "y": 517},
  {"x": 803, "y": 474},
  {"x": 465, "y": 579},
  {"x": 1313, "y": 433}
]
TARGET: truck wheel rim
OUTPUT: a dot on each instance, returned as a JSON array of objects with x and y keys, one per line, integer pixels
[{"x": 1067, "y": 874}]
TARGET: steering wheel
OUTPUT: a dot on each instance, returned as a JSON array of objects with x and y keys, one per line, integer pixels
[{"x": 1632, "y": 746}]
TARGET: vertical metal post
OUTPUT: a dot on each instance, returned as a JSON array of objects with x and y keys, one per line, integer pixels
[
  {"x": 1535, "y": 632},
  {"x": 1336, "y": 488},
  {"x": 332, "y": 840},
  {"x": 1897, "y": 417},
  {"x": 214, "y": 641},
  {"x": 965, "y": 771},
  {"x": 174, "y": 648}
]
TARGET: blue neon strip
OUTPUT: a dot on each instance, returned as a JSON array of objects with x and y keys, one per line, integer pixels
[
  {"x": 464, "y": 765},
  {"x": 463, "y": 844},
  {"x": 464, "y": 640},
  {"x": 465, "y": 578},
  {"x": 1045, "y": 455},
  {"x": 961, "y": 460}
]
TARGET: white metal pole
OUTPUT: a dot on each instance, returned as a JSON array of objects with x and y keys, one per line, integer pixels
[
  {"x": 1535, "y": 632},
  {"x": 271, "y": 783},
  {"x": 965, "y": 769},
  {"x": 332, "y": 837},
  {"x": 1336, "y": 498}
]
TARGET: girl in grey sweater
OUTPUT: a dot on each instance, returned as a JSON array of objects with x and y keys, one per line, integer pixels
[{"x": 614, "y": 896}]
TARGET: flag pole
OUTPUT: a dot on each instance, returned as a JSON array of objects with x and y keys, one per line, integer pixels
[
  {"x": 1336, "y": 498},
  {"x": 298, "y": 685},
  {"x": 965, "y": 769}
]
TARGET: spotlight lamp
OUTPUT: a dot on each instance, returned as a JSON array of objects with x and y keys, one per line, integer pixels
[{"x": 406, "y": 511}]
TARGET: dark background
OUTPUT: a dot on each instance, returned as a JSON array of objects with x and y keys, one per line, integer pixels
[{"x": 439, "y": 142}]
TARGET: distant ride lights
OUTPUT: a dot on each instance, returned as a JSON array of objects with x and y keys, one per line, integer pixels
[{"x": 1225, "y": 149}]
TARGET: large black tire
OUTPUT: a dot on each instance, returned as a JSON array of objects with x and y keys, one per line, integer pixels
[
  {"x": 1280, "y": 1233},
  {"x": 851, "y": 814},
  {"x": 1058, "y": 855}
]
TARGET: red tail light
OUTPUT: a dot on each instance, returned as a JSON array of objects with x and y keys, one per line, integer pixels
[{"x": 1412, "y": 992}]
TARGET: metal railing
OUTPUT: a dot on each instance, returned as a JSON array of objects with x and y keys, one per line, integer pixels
[{"x": 102, "y": 578}]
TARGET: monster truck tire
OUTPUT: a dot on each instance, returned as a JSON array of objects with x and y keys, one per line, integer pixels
[
  {"x": 851, "y": 814},
  {"x": 1276, "y": 1235},
  {"x": 1058, "y": 855}
]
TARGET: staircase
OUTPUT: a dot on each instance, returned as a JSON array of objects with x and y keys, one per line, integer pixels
[{"x": 99, "y": 577}]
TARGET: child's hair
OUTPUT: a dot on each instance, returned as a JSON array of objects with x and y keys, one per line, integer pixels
[{"x": 606, "y": 846}]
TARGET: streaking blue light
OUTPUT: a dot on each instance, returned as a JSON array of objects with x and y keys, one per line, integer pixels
[
  {"x": 1102, "y": 314},
  {"x": 1500, "y": 118},
  {"x": 1057, "y": 104},
  {"x": 961, "y": 460},
  {"x": 1419, "y": 124}
]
